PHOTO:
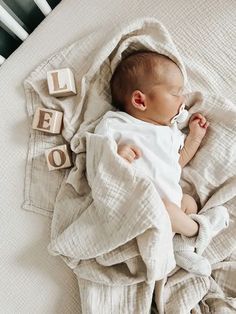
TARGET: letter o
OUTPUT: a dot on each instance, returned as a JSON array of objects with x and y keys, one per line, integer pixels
[{"x": 52, "y": 160}]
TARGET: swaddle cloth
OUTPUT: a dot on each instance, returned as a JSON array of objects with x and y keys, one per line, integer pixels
[{"x": 108, "y": 223}]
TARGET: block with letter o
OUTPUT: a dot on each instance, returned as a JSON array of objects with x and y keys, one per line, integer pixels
[{"x": 58, "y": 157}]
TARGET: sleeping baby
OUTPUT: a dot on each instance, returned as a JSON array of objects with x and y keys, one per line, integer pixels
[{"x": 147, "y": 91}]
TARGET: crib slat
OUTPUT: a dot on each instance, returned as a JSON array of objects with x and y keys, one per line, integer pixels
[
  {"x": 25, "y": 12},
  {"x": 9, "y": 22},
  {"x": 43, "y": 6}
]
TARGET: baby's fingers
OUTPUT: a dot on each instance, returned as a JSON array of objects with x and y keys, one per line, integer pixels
[
  {"x": 202, "y": 121},
  {"x": 195, "y": 116},
  {"x": 136, "y": 151},
  {"x": 129, "y": 152},
  {"x": 206, "y": 125}
]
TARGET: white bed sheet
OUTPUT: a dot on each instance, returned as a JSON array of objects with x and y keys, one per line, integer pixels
[{"x": 32, "y": 281}]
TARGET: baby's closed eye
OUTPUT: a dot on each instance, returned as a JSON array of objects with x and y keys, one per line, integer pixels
[{"x": 177, "y": 91}]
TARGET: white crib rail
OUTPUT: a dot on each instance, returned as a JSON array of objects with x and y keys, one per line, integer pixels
[
  {"x": 43, "y": 6},
  {"x": 12, "y": 24}
]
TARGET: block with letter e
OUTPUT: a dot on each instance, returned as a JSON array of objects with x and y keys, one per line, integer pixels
[
  {"x": 61, "y": 82},
  {"x": 47, "y": 120},
  {"x": 58, "y": 157}
]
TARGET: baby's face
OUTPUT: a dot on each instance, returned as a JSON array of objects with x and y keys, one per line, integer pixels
[{"x": 164, "y": 99}]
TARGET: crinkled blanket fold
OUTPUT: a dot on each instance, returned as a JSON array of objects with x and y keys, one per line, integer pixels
[{"x": 125, "y": 208}]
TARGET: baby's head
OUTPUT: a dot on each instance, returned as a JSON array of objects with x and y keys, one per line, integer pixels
[{"x": 148, "y": 86}]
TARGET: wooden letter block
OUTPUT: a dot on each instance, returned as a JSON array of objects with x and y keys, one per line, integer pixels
[
  {"x": 58, "y": 157},
  {"x": 47, "y": 120},
  {"x": 61, "y": 82}
]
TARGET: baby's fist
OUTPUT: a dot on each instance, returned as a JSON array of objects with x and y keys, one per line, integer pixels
[
  {"x": 198, "y": 125},
  {"x": 129, "y": 152}
]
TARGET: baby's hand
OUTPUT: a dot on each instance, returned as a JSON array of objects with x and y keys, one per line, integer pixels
[
  {"x": 129, "y": 152},
  {"x": 198, "y": 126}
]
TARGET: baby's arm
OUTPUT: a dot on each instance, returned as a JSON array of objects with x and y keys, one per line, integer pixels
[{"x": 197, "y": 126}]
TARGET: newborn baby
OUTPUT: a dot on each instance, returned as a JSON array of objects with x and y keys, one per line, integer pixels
[{"x": 147, "y": 90}]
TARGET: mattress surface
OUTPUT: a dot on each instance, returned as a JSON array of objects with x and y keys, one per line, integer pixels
[{"x": 31, "y": 279}]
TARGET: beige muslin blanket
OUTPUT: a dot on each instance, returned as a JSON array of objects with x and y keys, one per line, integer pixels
[{"x": 108, "y": 222}]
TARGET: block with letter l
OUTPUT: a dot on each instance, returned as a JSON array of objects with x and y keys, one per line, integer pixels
[
  {"x": 47, "y": 120},
  {"x": 61, "y": 82},
  {"x": 58, "y": 157}
]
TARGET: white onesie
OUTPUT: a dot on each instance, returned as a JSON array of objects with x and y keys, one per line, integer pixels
[{"x": 159, "y": 146}]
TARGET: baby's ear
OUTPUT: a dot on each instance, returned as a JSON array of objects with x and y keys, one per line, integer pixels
[{"x": 138, "y": 100}]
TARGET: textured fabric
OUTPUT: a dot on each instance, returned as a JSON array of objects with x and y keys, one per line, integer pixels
[
  {"x": 212, "y": 182},
  {"x": 117, "y": 216},
  {"x": 159, "y": 146},
  {"x": 211, "y": 222},
  {"x": 187, "y": 259}
]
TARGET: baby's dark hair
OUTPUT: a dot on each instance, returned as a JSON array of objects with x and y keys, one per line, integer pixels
[{"x": 138, "y": 71}]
